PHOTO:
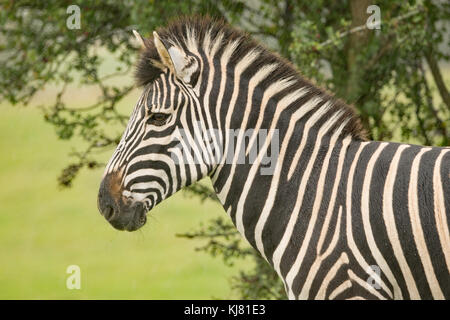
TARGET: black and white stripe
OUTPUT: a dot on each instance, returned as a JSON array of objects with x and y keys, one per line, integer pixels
[{"x": 336, "y": 204}]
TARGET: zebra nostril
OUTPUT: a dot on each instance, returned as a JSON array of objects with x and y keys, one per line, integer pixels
[{"x": 108, "y": 213}]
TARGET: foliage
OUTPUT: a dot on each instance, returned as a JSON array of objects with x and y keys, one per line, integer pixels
[
  {"x": 383, "y": 73},
  {"x": 222, "y": 239},
  {"x": 385, "y": 80}
]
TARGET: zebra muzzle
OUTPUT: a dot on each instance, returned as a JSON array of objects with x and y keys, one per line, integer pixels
[{"x": 121, "y": 213}]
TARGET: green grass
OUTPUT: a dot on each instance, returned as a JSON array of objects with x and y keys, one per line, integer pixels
[{"x": 44, "y": 229}]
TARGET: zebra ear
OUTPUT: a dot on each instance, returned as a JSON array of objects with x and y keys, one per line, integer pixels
[
  {"x": 139, "y": 39},
  {"x": 176, "y": 60}
]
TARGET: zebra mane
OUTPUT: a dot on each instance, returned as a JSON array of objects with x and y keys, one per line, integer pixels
[{"x": 203, "y": 28}]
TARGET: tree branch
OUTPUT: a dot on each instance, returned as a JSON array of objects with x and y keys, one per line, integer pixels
[
  {"x": 438, "y": 79},
  {"x": 364, "y": 26}
]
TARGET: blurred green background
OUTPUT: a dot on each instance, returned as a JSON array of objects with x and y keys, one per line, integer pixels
[{"x": 44, "y": 229}]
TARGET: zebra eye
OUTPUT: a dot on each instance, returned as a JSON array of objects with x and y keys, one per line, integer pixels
[{"x": 158, "y": 119}]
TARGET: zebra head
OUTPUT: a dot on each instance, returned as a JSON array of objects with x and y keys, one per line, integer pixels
[{"x": 148, "y": 164}]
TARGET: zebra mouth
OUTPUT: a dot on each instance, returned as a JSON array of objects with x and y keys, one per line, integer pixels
[{"x": 138, "y": 221}]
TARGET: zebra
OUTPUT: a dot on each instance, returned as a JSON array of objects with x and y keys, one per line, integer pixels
[{"x": 339, "y": 217}]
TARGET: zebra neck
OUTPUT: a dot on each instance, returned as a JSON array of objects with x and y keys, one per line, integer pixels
[{"x": 300, "y": 128}]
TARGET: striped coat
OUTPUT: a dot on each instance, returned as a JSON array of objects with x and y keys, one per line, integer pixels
[{"x": 337, "y": 216}]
